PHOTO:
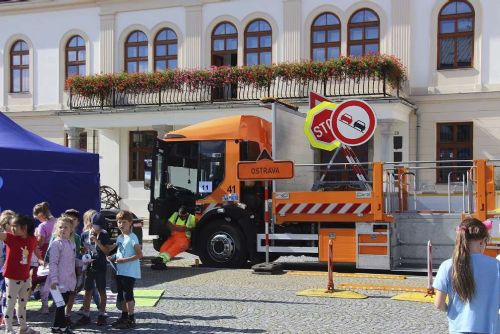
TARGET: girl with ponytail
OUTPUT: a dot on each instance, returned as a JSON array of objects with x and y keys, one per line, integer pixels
[{"x": 471, "y": 281}]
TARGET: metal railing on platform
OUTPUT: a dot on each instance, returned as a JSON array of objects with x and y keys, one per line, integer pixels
[{"x": 281, "y": 88}]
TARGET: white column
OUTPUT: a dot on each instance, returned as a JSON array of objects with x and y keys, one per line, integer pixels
[
  {"x": 194, "y": 42},
  {"x": 401, "y": 31},
  {"x": 382, "y": 148},
  {"x": 109, "y": 153},
  {"x": 74, "y": 137},
  {"x": 107, "y": 40},
  {"x": 292, "y": 27}
]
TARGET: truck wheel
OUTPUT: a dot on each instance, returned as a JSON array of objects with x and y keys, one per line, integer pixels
[{"x": 222, "y": 245}]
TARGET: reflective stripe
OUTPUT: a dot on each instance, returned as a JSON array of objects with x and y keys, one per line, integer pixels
[{"x": 361, "y": 208}]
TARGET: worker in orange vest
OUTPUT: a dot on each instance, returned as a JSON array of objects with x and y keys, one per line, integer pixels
[{"x": 180, "y": 224}]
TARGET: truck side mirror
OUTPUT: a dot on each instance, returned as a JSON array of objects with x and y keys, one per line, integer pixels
[{"x": 148, "y": 164}]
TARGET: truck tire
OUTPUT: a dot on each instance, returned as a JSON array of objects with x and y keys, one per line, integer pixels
[{"x": 222, "y": 245}]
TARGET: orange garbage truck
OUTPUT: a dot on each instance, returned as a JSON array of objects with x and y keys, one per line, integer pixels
[{"x": 379, "y": 224}]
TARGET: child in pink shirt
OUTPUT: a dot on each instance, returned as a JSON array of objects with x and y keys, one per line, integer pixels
[
  {"x": 62, "y": 275},
  {"x": 41, "y": 211}
]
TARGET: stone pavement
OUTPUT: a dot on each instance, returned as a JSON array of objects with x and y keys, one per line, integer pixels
[{"x": 204, "y": 300}]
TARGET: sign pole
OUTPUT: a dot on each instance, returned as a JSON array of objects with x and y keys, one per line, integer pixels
[
  {"x": 266, "y": 218},
  {"x": 430, "y": 289},
  {"x": 330, "y": 288}
]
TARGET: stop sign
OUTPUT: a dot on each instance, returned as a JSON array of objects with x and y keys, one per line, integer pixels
[{"x": 317, "y": 127}]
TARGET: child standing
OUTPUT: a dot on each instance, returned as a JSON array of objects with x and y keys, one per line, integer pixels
[
  {"x": 41, "y": 211},
  {"x": 5, "y": 219},
  {"x": 73, "y": 216},
  {"x": 127, "y": 257},
  {"x": 20, "y": 246},
  {"x": 99, "y": 246},
  {"x": 86, "y": 247},
  {"x": 471, "y": 281},
  {"x": 62, "y": 259}
]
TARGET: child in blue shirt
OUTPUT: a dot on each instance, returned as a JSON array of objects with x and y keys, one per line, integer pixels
[
  {"x": 471, "y": 281},
  {"x": 128, "y": 268}
]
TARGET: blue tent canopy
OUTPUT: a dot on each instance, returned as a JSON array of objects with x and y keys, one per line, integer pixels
[{"x": 34, "y": 170}]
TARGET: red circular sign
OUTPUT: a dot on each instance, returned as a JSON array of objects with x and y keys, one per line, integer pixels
[{"x": 353, "y": 122}]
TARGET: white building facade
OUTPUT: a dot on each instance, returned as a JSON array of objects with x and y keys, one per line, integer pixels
[{"x": 451, "y": 108}]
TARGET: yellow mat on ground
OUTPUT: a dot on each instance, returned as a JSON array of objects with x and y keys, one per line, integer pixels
[
  {"x": 355, "y": 275},
  {"x": 345, "y": 294},
  {"x": 381, "y": 287},
  {"x": 419, "y": 297},
  {"x": 143, "y": 298}
]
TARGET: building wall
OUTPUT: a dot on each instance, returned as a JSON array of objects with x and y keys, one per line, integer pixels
[
  {"x": 408, "y": 29},
  {"x": 44, "y": 41},
  {"x": 483, "y": 109}
]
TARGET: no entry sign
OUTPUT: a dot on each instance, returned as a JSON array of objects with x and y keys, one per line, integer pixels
[{"x": 353, "y": 122}]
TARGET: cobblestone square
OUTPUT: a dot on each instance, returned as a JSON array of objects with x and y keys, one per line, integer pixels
[{"x": 204, "y": 300}]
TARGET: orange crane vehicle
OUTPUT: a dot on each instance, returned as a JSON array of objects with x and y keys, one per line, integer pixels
[{"x": 374, "y": 225}]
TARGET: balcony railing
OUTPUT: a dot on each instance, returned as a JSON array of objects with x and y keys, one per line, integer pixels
[{"x": 235, "y": 89}]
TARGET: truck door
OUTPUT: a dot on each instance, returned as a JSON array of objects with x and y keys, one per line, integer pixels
[{"x": 173, "y": 181}]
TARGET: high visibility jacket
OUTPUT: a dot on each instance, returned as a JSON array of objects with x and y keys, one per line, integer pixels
[{"x": 189, "y": 222}]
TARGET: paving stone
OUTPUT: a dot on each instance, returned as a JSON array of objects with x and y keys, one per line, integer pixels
[{"x": 205, "y": 300}]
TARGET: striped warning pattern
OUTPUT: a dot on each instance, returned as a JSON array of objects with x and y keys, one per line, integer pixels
[{"x": 323, "y": 208}]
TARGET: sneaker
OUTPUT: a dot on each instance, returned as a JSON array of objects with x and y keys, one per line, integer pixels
[
  {"x": 44, "y": 309},
  {"x": 80, "y": 311},
  {"x": 127, "y": 324},
  {"x": 84, "y": 320},
  {"x": 159, "y": 266},
  {"x": 101, "y": 320},
  {"x": 118, "y": 321},
  {"x": 165, "y": 257},
  {"x": 28, "y": 330},
  {"x": 61, "y": 330}
]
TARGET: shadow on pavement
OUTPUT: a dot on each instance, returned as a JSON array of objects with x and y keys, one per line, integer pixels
[
  {"x": 150, "y": 321},
  {"x": 239, "y": 300}
]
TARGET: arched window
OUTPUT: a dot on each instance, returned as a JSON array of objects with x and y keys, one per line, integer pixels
[
  {"x": 136, "y": 52},
  {"x": 456, "y": 35},
  {"x": 258, "y": 43},
  {"x": 165, "y": 50},
  {"x": 364, "y": 33},
  {"x": 225, "y": 45},
  {"x": 75, "y": 57},
  {"x": 325, "y": 37},
  {"x": 19, "y": 67}
]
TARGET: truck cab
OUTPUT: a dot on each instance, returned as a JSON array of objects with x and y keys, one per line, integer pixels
[{"x": 196, "y": 167}]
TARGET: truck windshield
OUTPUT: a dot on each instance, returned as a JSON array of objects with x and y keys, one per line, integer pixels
[{"x": 196, "y": 166}]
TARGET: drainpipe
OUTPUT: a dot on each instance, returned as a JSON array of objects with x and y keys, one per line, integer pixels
[{"x": 417, "y": 150}]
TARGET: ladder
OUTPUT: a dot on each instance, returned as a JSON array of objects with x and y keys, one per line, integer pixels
[{"x": 353, "y": 160}]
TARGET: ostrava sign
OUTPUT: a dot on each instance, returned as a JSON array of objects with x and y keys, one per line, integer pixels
[{"x": 265, "y": 169}]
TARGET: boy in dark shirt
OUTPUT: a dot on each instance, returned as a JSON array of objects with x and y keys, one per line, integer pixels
[{"x": 99, "y": 247}]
